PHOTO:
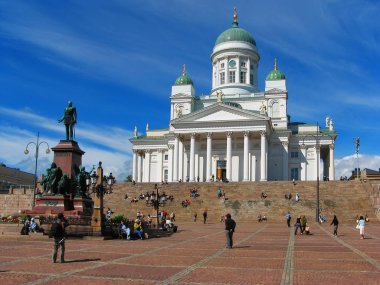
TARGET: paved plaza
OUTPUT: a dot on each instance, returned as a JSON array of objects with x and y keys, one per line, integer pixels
[{"x": 263, "y": 253}]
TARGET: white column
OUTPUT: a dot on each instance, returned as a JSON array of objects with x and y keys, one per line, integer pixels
[
  {"x": 213, "y": 74},
  {"x": 263, "y": 158},
  {"x": 159, "y": 170},
  {"x": 180, "y": 159},
  {"x": 170, "y": 162},
  {"x": 147, "y": 166},
  {"x": 317, "y": 160},
  {"x": 331, "y": 165},
  {"x": 192, "y": 157},
  {"x": 229, "y": 156},
  {"x": 249, "y": 70},
  {"x": 253, "y": 167},
  {"x": 175, "y": 163},
  {"x": 197, "y": 170},
  {"x": 134, "y": 166},
  {"x": 227, "y": 72},
  {"x": 139, "y": 166},
  {"x": 285, "y": 161},
  {"x": 217, "y": 79},
  {"x": 208, "y": 157},
  {"x": 304, "y": 163},
  {"x": 238, "y": 70},
  {"x": 246, "y": 156}
]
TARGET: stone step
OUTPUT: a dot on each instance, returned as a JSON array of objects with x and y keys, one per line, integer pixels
[{"x": 346, "y": 199}]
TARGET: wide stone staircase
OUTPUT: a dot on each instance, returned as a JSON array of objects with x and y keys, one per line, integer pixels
[{"x": 346, "y": 199}]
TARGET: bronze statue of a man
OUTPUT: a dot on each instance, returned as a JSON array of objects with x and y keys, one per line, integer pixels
[{"x": 69, "y": 118}]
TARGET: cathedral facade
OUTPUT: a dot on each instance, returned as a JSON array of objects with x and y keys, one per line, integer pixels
[{"x": 236, "y": 133}]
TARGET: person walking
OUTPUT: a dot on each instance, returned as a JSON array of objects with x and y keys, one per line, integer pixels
[
  {"x": 361, "y": 225},
  {"x": 230, "y": 225},
  {"x": 297, "y": 225},
  {"x": 288, "y": 218},
  {"x": 335, "y": 222},
  {"x": 205, "y": 216},
  {"x": 58, "y": 231}
]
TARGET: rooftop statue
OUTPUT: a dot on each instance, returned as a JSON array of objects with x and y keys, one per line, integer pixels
[
  {"x": 219, "y": 96},
  {"x": 69, "y": 118},
  {"x": 263, "y": 109},
  {"x": 178, "y": 111},
  {"x": 327, "y": 121}
]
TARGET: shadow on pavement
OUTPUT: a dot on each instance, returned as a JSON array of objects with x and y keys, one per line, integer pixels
[
  {"x": 243, "y": 246},
  {"x": 82, "y": 260}
]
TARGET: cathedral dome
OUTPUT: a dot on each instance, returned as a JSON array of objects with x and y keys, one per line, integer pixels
[
  {"x": 235, "y": 34},
  {"x": 184, "y": 79},
  {"x": 275, "y": 74}
]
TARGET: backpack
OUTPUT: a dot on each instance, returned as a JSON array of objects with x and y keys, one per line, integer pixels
[{"x": 56, "y": 230}]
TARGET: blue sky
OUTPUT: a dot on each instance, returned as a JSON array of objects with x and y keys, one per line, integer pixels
[{"x": 117, "y": 60}]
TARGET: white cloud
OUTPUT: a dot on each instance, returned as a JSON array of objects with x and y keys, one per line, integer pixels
[{"x": 344, "y": 166}]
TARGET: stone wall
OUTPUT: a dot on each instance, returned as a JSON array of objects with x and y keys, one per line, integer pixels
[{"x": 15, "y": 200}]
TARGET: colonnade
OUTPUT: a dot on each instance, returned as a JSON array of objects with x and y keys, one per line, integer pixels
[
  {"x": 140, "y": 165},
  {"x": 177, "y": 169}
]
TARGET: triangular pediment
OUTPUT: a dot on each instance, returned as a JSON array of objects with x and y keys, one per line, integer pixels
[
  {"x": 220, "y": 112},
  {"x": 222, "y": 115}
]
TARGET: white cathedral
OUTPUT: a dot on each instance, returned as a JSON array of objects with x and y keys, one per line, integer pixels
[{"x": 237, "y": 133}]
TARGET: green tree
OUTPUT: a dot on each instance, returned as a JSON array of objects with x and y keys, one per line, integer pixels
[{"x": 128, "y": 179}]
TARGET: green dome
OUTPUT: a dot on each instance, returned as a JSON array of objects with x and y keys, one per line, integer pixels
[
  {"x": 184, "y": 79},
  {"x": 275, "y": 74},
  {"x": 235, "y": 34}
]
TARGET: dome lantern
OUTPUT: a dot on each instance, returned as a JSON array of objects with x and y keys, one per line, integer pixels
[
  {"x": 184, "y": 79},
  {"x": 275, "y": 74},
  {"x": 235, "y": 33}
]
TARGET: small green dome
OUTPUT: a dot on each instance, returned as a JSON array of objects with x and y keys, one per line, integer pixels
[
  {"x": 275, "y": 74},
  {"x": 184, "y": 79},
  {"x": 235, "y": 34}
]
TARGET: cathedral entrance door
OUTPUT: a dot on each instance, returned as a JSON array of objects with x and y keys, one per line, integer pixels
[{"x": 221, "y": 170}]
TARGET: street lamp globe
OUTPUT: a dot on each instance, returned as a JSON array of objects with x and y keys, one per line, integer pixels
[
  {"x": 111, "y": 180},
  {"x": 93, "y": 177}
]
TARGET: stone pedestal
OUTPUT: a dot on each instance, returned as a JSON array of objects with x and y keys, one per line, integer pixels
[
  {"x": 52, "y": 205},
  {"x": 67, "y": 154}
]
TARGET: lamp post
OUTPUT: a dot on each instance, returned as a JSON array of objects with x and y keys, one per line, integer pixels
[
  {"x": 317, "y": 138},
  {"x": 99, "y": 184},
  {"x": 37, "y": 148},
  {"x": 357, "y": 145},
  {"x": 157, "y": 203}
]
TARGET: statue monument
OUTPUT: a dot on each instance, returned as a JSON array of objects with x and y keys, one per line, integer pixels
[
  {"x": 68, "y": 188},
  {"x": 69, "y": 118}
]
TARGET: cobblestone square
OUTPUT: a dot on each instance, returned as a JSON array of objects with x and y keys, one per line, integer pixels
[{"x": 196, "y": 254}]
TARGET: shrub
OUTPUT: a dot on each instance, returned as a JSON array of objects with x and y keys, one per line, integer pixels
[{"x": 118, "y": 218}]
